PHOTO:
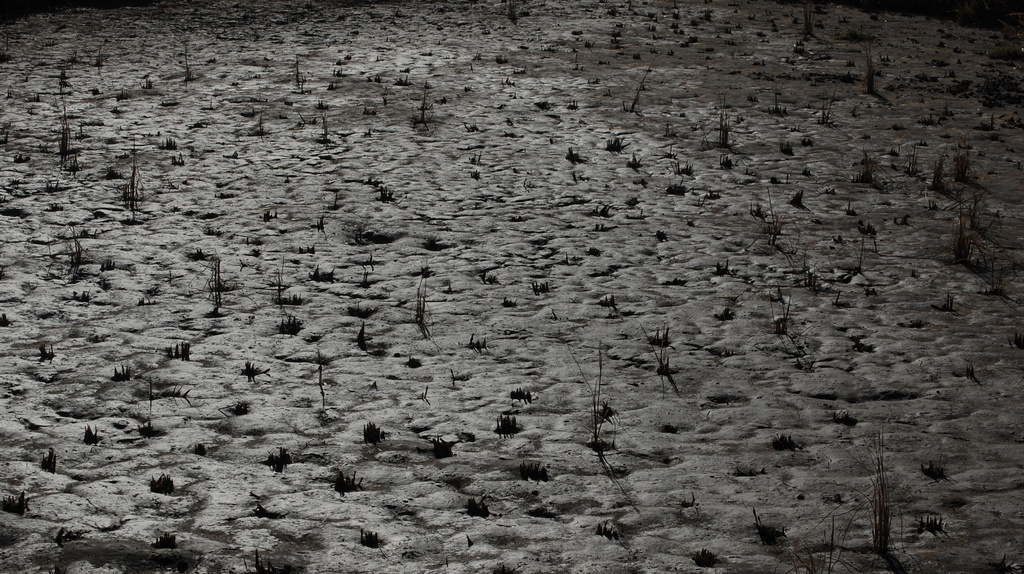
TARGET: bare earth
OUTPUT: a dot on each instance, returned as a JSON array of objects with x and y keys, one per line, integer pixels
[{"x": 351, "y": 165}]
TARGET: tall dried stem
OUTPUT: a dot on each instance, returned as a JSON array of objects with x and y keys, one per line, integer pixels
[
  {"x": 216, "y": 284},
  {"x": 881, "y": 512},
  {"x": 961, "y": 162},
  {"x": 421, "y": 308},
  {"x": 869, "y": 71},
  {"x": 808, "y": 21},
  {"x": 723, "y": 126},
  {"x": 131, "y": 192}
]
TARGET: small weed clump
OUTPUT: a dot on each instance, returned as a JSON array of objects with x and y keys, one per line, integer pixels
[
  {"x": 373, "y": 434},
  {"x": 369, "y": 539},
  {"x": 533, "y": 471},
  {"x": 166, "y": 540},
  {"x": 1017, "y": 341},
  {"x": 162, "y": 485},
  {"x": 268, "y": 567},
  {"x": 769, "y": 534},
  {"x": 262, "y": 512},
  {"x": 238, "y": 409},
  {"x": 321, "y": 276},
  {"x": 784, "y": 442},
  {"x": 180, "y": 351},
  {"x": 478, "y": 345},
  {"x": 608, "y": 531},
  {"x": 506, "y": 426},
  {"x": 148, "y": 430},
  {"x": 867, "y": 171},
  {"x": 936, "y": 472},
  {"x": 705, "y": 558},
  {"x": 278, "y": 461},
  {"x": 65, "y": 535},
  {"x": 727, "y": 314},
  {"x": 15, "y": 505},
  {"x": 478, "y": 508},
  {"x": 251, "y": 371},
  {"x": 521, "y": 395},
  {"x": 46, "y": 353},
  {"x": 843, "y": 418},
  {"x": 49, "y": 462},
  {"x": 91, "y": 437},
  {"x": 574, "y": 157},
  {"x": 289, "y": 326},
  {"x": 344, "y": 484},
  {"x": 616, "y": 145},
  {"x": 442, "y": 448},
  {"x": 933, "y": 524}
]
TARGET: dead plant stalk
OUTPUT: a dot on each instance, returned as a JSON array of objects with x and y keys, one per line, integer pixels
[{"x": 881, "y": 511}]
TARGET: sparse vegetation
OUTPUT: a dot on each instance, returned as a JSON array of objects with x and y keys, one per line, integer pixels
[
  {"x": 881, "y": 511},
  {"x": 15, "y": 505},
  {"x": 705, "y": 558},
  {"x": 344, "y": 484},
  {"x": 533, "y": 471},
  {"x": 161, "y": 485},
  {"x": 91, "y": 437},
  {"x": 166, "y": 540},
  {"x": 372, "y": 434},
  {"x": 49, "y": 463},
  {"x": 769, "y": 535},
  {"x": 251, "y": 371},
  {"x": 442, "y": 448},
  {"x": 369, "y": 539},
  {"x": 440, "y": 201},
  {"x": 784, "y": 442},
  {"x": 278, "y": 461},
  {"x": 506, "y": 426},
  {"x": 477, "y": 508}
]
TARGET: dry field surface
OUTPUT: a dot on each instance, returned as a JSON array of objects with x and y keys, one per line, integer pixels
[{"x": 612, "y": 278}]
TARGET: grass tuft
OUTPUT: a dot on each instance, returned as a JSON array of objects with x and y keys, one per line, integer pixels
[
  {"x": 369, "y": 539},
  {"x": 49, "y": 462},
  {"x": 769, "y": 534},
  {"x": 373, "y": 434},
  {"x": 15, "y": 505},
  {"x": 477, "y": 508},
  {"x": 344, "y": 484},
  {"x": 936, "y": 472},
  {"x": 166, "y": 540},
  {"x": 162, "y": 485},
  {"x": 705, "y": 558},
  {"x": 278, "y": 461}
]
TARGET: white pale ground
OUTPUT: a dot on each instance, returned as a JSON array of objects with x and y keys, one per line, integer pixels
[{"x": 485, "y": 198}]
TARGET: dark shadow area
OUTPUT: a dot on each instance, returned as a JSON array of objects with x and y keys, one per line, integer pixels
[
  {"x": 12, "y": 9},
  {"x": 981, "y": 13},
  {"x": 16, "y": 8}
]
